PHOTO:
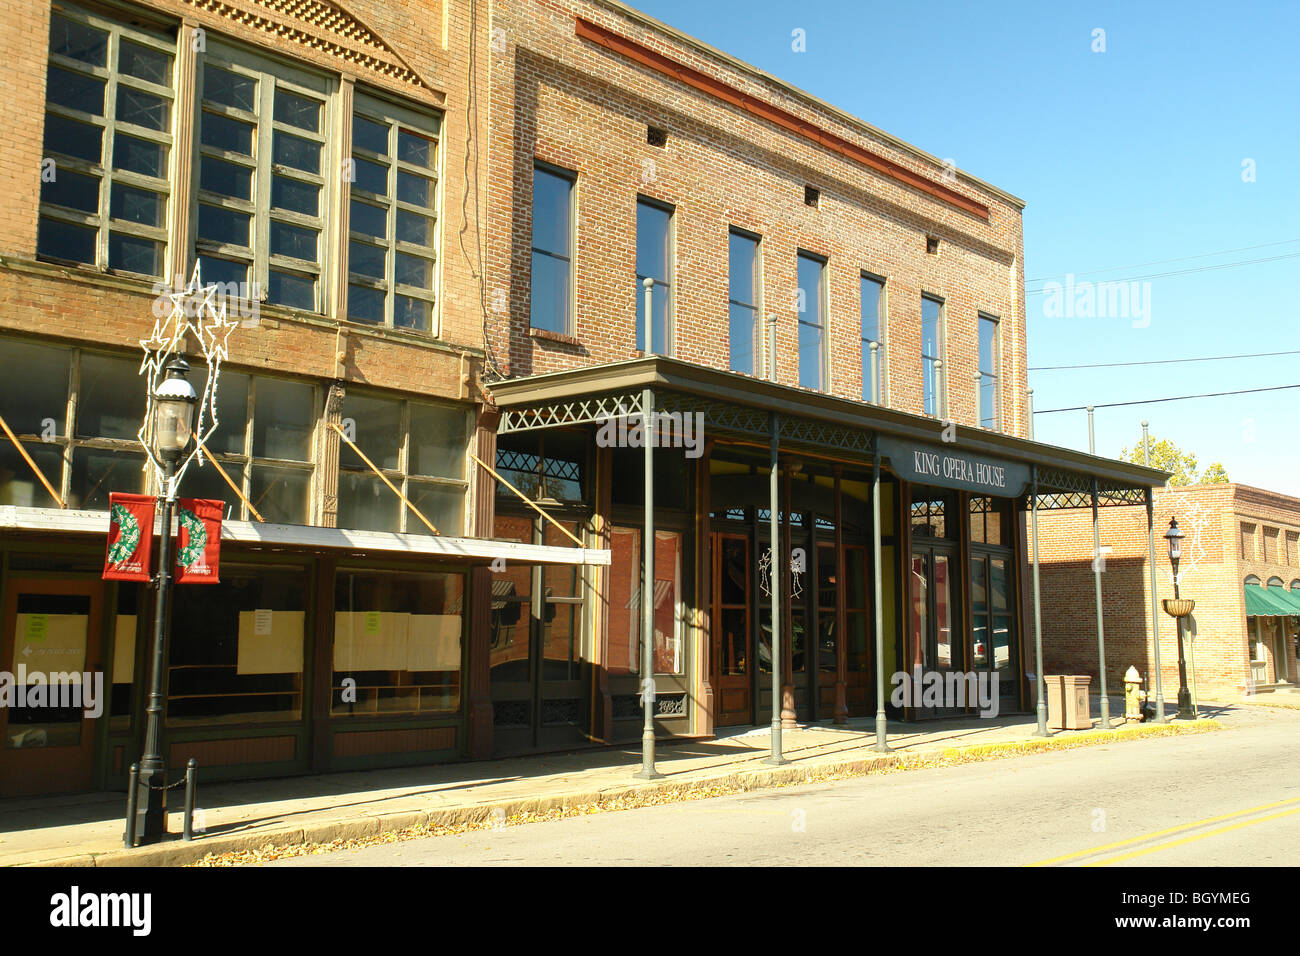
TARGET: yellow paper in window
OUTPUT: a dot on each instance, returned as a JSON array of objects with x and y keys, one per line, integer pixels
[
  {"x": 279, "y": 652},
  {"x": 124, "y": 649},
  {"x": 50, "y": 643},
  {"x": 370, "y": 640},
  {"x": 434, "y": 643}
]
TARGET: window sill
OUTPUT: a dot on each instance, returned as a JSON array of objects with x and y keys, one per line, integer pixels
[{"x": 558, "y": 337}]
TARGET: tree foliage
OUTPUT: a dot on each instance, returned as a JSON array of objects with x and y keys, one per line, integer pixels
[{"x": 1183, "y": 465}]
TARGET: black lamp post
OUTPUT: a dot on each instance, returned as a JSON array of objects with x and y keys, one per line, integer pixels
[
  {"x": 174, "y": 403},
  {"x": 1179, "y": 609}
]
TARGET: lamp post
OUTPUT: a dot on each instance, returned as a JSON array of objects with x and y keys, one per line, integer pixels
[
  {"x": 1178, "y": 609},
  {"x": 174, "y": 402}
]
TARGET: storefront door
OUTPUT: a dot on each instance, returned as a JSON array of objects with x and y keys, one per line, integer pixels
[
  {"x": 47, "y": 733},
  {"x": 931, "y": 646},
  {"x": 733, "y": 657}
]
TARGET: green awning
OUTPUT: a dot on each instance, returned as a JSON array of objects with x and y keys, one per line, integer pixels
[
  {"x": 1269, "y": 602},
  {"x": 1285, "y": 598}
]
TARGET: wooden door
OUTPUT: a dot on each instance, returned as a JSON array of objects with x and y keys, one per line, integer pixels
[
  {"x": 50, "y": 626},
  {"x": 733, "y": 657}
]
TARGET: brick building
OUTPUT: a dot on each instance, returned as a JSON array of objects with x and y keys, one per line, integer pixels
[
  {"x": 456, "y": 235},
  {"x": 1241, "y": 565}
]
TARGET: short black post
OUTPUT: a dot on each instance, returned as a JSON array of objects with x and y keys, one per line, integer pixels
[
  {"x": 131, "y": 776},
  {"x": 191, "y": 784}
]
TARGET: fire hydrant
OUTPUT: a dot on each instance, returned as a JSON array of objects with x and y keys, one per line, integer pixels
[{"x": 1132, "y": 702}]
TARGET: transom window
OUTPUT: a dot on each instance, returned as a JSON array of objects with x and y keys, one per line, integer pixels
[
  {"x": 108, "y": 133},
  {"x": 392, "y": 212},
  {"x": 260, "y": 178}
]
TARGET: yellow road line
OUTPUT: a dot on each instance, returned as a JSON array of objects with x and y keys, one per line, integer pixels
[
  {"x": 1092, "y": 851},
  {"x": 1191, "y": 839}
]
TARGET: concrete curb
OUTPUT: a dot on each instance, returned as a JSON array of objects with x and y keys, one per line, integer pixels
[{"x": 179, "y": 853}]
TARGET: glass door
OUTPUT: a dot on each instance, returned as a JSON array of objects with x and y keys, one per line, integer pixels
[
  {"x": 993, "y": 645},
  {"x": 931, "y": 647},
  {"x": 733, "y": 658},
  {"x": 47, "y": 733}
]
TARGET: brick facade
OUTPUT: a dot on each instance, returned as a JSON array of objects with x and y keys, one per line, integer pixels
[{"x": 1214, "y": 571}]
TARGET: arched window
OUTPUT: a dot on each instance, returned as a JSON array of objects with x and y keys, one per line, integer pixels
[
  {"x": 1251, "y": 579},
  {"x": 1275, "y": 582},
  {"x": 1295, "y": 585}
]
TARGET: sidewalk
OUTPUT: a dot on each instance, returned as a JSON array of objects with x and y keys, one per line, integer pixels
[{"x": 86, "y": 829}]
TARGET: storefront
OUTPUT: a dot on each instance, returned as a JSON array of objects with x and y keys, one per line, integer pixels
[{"x": 940, "y": 583}]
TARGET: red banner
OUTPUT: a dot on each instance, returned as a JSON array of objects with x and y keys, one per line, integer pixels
[
  {"x": 199, "y": 544},
  {"x": 130, "y": 537}
]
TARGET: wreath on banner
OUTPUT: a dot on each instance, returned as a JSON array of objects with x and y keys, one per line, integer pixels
[
  {"x": 198, "y": 537},
  {"x": 129, "y": 537}
]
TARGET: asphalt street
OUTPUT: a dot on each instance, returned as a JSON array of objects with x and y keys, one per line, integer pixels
[{"x": 1227, "y": 798}]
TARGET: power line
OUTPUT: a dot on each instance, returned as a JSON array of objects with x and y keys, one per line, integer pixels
[
  {"x": 1208, "y": 358},
  {"x": 1176, "y": 398},
  {"x": 1161, "y": 262},
  {"x": 1183, "y": 272}
]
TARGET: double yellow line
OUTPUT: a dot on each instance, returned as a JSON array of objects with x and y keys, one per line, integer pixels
[{"x": 1159, "y": 834}]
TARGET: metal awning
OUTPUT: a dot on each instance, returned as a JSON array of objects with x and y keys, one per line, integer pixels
[
  {"x": 747, "y": 408},
  {"x": 1271, "y": 602},
  {"x": 464, "y": 550}
]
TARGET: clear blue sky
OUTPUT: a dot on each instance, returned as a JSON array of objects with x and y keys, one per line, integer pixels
[{"x": 1126, "y": 156}]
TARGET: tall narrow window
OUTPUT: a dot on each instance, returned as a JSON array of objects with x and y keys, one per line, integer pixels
[
  {"x": 873, "y": 327},
  {"x": 743, "y": 302},
  {"x": 931, "y": 339},
  {"x": 990, "y": 363},
  {"x": 654, "y": 261},
  {"x": 392, "y": 216},
  {"x": 108, "y": 132},
  {"x": 261, "y": 175},
  {"x": 552, "y": 273},
  {"x": 812, "y": 322}
]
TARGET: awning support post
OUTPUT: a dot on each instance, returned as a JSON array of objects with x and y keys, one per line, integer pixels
[
  {"x": 881, "y": 723},
  {"x": 1038, "y": 612},
  {"x": 1096, "y": 578},
  {"x": 774, "y": 567},
  {"x": 1155, "y": 599},
  {"x": 647, "y": 771}
]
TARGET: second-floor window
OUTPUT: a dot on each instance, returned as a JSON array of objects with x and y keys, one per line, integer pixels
[
  {"x": 108, "y": 143},
  {"x": 552, "y": 266},
  {"x": 742, "y": 302},
  {"x": 654, "y": 261},
  {"x": 990, "y": 363},
  {"x": 931, "y": 346},
  {"x": 812, "y": 321},
  {"x": 873, "y": 330}
]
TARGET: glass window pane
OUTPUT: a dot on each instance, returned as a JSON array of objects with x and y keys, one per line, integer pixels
[
  {"x": 742, "y": 338},
  {"x": 139, "y": 156},
  {"x": 292, "y": 289},
  {"x": 203, "y": 481},
  {"x": 370, "y": 176},
  {"x": 871, "y": 290},
  {"x": 219, "y": 224},
  {"x": 652, "y": 242},
  {"x": 299, "y": 111},
  {"x": 444, "y": 506},
  {"x": 930, "y": 327},
  {"x": 63, "y": 240},
  {"x": 417, "y": 190},
  {"x": 136, "y": 205},
  {"x": 144, "y": 62},
  {"x": 280, "y": 494},
  {"x": 549, "y": 308},
  {"x": 229, "y": 89},
  {"x": 75, "y": 91},
  {"x": 742, "y": 256},
  {"x": 232, "y": 412},
  {"x": 78, "y": 41},
  {"x": 811, "y": 356},
  {"x": 19, "y": 485},
  {"x": 228, "y": 179},
  {"x": 295, "y": 196},
  {"x": 365, "y": 304},
  {"x": 72, "y": 191},
  {"x": 223, "y": 271},
  {"x": 71, "y": 138},
  {"x": 988, "y": 340},
  {"x": 439, "y": 436},
  {"x": 368, "y": 220},
  {"x": 112, "y": 399},
  {"x": 415, "y": 149},
  {"x": 376, "y": 428},
  {"x": 414, "y": 271},
  {"x": 222, "y": 132},
  {"x": 367, "y": 260},
  {"x": 414, "y": 228},
  {"x": 412, "y": 313},
  {"x": 369, "y": 135},
  {"x": 33, "y": 388},
  {"x": 142, "y": 109},
  {"x": 293, "y": 241},
  {"x": 366, "y": 503},
  {"x": 134, "y": 254},
  {"x": 295, "y": 152},
  {"x": 284, "y": 418},
  {"x": 96, "y": 472},
  {"x": 551, "y": 212}
]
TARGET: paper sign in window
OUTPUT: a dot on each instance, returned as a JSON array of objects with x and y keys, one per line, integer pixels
[
  {"x": 51, "y": 643},
  {"x": 124, "y": 649},
  {"x": 277, "y": 652},
  {"x": 370, "y": 640},
  {"x": 434, "y": 643}
]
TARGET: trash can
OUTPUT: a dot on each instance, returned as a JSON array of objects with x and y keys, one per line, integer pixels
[{"x": 1068, "y": 705}]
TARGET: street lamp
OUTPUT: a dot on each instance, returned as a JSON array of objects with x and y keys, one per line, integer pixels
[
  {"x": 1179, "y": 609},
  {"x": 174, "y": 401}
]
